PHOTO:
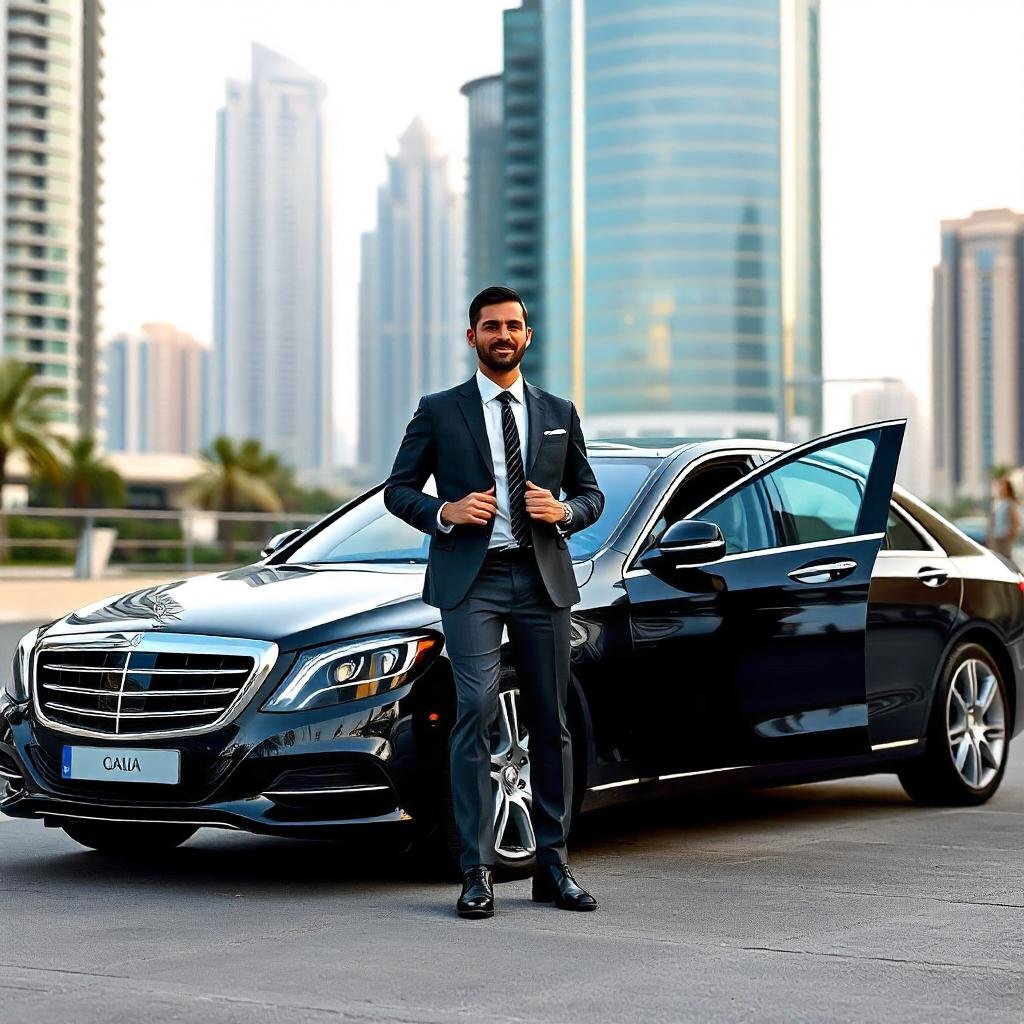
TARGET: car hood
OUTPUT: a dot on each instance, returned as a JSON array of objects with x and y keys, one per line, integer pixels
[{"x": 287, "y": 604}]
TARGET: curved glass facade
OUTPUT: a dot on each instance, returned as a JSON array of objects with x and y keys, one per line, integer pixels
[{"x": 682, "y": 178}]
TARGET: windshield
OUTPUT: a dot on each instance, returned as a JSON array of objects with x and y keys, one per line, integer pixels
[{"x": 369, "y": 533}]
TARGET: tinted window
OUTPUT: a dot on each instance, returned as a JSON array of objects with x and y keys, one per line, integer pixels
[
  {"x": 697, "y": 487},
  {"x": 620, "y": 481},
  {"x": 815, "y": 498},
  {"x": 369, "y": 533},
  {"x": 901, "y": 536},
  {"x": 819, "y": 497},
  {"x": 743, "y": 518}
]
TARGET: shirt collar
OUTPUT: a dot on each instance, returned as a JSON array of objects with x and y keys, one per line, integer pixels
[{"x": 489, "y": 390}]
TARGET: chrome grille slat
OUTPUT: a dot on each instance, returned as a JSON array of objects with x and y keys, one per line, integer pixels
[
  {"x": 150, "y": 671},
  {"x": 96, "y": 684},
  {"x": 134, "y": 714},
  {"x": 142, "y": 693}
]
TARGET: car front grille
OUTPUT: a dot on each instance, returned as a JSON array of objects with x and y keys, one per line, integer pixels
[{"x": 146, "y": 684}]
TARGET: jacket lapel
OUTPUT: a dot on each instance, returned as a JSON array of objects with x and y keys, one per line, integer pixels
[
  {"x": 535, "y": 414},
  {"x": 471, "y": 405}
]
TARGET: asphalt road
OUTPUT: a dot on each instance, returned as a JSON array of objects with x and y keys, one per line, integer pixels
[{"x": 833, "y": 902}]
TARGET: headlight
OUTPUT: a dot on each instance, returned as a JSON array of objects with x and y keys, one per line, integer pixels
[
  {"x": 16, "y": 686},
  {"x": 324, "y": 676}
]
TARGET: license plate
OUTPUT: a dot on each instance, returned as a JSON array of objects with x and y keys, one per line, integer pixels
[{"x": 121, "y": 764}]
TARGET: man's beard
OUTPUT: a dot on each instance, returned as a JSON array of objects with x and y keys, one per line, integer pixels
[{"x": 499, "y": 363}]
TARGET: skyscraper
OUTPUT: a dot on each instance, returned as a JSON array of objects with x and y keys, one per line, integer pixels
[
  {"x": 52, "y": 170},
  {"x": 977, "y": 346},
  {"x": 681, "y": 211},
  {"x": 485, "y": 184},
  {"x": 894, "y": 400},
  {"x": 411, "y": 320},
  {"x": 272, "y": 303},
  {"x": 505, "y": 180},
  {"x": 154, "y": 383}
]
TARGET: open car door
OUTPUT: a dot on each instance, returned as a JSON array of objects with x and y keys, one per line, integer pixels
[{"x": 751, "y": 642}]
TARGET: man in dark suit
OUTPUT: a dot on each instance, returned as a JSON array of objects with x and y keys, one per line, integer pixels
[{"x": 498, "y": 557}]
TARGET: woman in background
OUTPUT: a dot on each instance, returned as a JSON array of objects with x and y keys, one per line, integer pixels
[{"x": 1005, "y": 521}]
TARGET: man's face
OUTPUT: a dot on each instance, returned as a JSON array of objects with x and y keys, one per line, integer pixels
[{"x": 501, "y": 336}]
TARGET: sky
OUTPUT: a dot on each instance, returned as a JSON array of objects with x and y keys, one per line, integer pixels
[{"x": 921, "y": 121}]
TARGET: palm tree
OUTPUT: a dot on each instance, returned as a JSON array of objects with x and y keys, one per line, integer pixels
[
  {"x": 25, "y": 418},
  {"x": 84, "y": 479},
  {"x": 236, "y": 478},
  {"x": 25, "y": 425}
]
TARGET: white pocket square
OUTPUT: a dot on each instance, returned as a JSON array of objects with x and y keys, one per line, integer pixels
[{"x": 560, "y": 430}]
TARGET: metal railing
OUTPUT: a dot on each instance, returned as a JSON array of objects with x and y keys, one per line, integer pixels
[{"x": 196, "y": 535}]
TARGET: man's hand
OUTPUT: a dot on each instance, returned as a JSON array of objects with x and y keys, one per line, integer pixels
[
  {"x": 542, "y": 504},
  {"x": 476, "y": 507}
]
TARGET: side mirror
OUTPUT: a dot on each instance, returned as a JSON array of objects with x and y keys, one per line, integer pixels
[
  {"x": 686, "y": 543},
  {"x": 278, "y": 541}
]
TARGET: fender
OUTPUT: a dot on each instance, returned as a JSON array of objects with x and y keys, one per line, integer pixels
[{"x": 992, "y": 639}]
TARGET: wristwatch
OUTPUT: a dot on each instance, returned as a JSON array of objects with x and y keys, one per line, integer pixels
[{"x": 567, "y": 518}]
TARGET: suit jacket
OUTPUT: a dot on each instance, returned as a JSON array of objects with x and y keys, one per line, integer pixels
[{"x": 447, "y": 438}]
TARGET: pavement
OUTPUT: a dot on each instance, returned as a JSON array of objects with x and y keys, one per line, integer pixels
[{"x": 830, "y": 902}]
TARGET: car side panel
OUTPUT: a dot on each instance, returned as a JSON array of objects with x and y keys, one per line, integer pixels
[{"x": 909, "y": 625}]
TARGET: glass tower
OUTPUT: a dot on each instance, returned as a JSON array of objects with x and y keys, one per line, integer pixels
[
  {"x": 485, "y": 185},
  {"x": 682, "y": 215},
  {"x": 411, "y": 318},
  {"x": 272, "y": 259}
]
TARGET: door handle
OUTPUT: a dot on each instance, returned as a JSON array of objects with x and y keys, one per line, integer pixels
[
  {"x": 823, "y": 572},
  {"x": 932, "y": 577}
]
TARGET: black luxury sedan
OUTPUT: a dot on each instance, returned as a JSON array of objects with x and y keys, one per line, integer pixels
[{"x": 749, "y": 614}]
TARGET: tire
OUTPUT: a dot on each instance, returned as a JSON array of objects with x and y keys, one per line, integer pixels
[
  {"x": 966, "y": 745},
  {"x": 515, "y": 846},
  {"x": 128, "y": 839}
]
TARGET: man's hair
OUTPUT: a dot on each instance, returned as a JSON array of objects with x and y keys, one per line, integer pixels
[{"x": 491, "y": 296}]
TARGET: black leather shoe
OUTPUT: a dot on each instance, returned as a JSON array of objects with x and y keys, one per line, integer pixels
[
  {"x": 554, "y": 883},
  {"x": 477, "y": 899}
]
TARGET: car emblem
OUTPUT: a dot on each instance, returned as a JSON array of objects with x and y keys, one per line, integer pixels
[{"x": 509, "y": 776}]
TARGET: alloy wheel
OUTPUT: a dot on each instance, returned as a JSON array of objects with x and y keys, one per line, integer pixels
[
  {"x": 514, "y": 839},
  {"x": 976, "y": 723}
]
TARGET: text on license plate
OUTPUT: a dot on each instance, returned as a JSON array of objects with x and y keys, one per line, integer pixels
[{"x": 121, "y": 764}]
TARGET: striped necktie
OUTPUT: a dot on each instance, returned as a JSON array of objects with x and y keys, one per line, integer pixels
[{"x": 514, "y": 473}]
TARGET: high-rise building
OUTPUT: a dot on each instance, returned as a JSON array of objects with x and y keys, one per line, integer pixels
[
  {"x": 889, "y": 401},
  {"x": 681, "y": 215},
  {"x": 272, "y": 302},
  {"x": 411, "y": 320},
  {"x": 52, "y": 171},
  {"x": 485, "y": 184},
  {"x": 154, "y": 383},
  {"x": 524, "y": 172},
  {"x": 977, "y": 346},
  {"x": 506, "y": 175}
]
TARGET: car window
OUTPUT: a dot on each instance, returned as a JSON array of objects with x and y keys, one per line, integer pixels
[
  {"x": 620, "y": 480},
  {"x": 816, "y": 502},
  {"x": 819, "y": 497},
  {"x": 744, "y": 519},
  {"x": 695, "y": 487},
  {"x": 815, "y": 498},
  {"x": 901, "y": 536}
]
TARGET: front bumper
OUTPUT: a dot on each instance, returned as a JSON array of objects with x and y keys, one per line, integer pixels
[{"x": 337, "y": 774}]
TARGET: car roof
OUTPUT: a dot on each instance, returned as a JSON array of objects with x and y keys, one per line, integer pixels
[{"x": 663, "y": 447}]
